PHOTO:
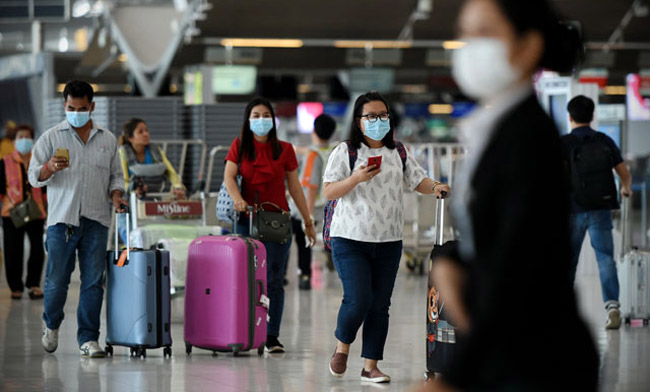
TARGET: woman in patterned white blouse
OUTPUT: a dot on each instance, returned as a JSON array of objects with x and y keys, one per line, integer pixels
[{"x": 366, "y": 228}]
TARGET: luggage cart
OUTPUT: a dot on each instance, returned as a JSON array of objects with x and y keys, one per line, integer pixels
[
  {"x": 441, "y": 162},
  {"x": 161, "y": 222}
]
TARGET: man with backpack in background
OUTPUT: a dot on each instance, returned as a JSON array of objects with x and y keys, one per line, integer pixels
[
  {"x": 591, "y": 156},
  {"x": 311, "y": 179}
]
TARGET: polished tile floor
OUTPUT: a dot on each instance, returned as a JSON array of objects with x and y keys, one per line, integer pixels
[{"x": 308, "y": 326}]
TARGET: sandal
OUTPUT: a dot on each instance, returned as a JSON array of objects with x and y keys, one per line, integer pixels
[
  {"x": 16, "y": 294},
  {"x": 35, "y": 293}
]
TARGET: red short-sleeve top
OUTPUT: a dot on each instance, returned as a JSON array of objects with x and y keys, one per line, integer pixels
[{"x": 264, "y": 176}]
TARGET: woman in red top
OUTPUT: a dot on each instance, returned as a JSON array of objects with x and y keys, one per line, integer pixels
[{"x": 265, "y": 164}]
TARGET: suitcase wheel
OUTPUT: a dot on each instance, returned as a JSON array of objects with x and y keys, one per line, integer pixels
[
  {"x": 627, "y": 321},
  {"x": 138, "y": 352},
  {"x": 167, "y": 352},
  {"x": 109, "y": 350},
  {"x": 214, "y": 354},
  {"x": 188, "y": 348},
  {"x": 260, "y": 350}
]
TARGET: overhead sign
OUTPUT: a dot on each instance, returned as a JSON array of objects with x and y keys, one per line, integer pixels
[
  {"x": 359, "y": 56},
  {"x": 24, "y": 11},
  {"x": 173, "y": 208},
  {"x": 368, "y": 79},
  {"x": 594, "y": 75}
]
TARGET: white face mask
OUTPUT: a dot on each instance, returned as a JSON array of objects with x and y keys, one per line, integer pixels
[{"x": 482, "y": 69}]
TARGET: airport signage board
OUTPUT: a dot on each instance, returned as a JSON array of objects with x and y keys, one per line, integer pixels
[{"x": 173, "y": 208}]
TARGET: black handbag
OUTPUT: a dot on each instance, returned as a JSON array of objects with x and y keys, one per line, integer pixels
[
  {"x": 24, "y": 212},
  {"x": 272, "y": 226}
]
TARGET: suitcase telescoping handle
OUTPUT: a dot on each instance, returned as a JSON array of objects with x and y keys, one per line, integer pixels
[
  {"x": 626, "y": 241},
  {"x": 128, "y": 239},
  {"x": 250, "y": 210},
  {"x": 440, "y": 219}
]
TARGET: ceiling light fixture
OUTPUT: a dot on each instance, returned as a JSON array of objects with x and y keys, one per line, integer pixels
[
  {"x": 262, "y": 42},
  {"x": 388, "y": 44},
  {"x": 615, "y": 90},
  {"x": 452, "y": 45},
  {"x": 441, "y": 109}
]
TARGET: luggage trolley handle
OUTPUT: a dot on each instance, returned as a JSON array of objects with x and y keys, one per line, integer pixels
[
  {"x": 128, "y": 239},
  {"x": 440, "y": 219},
  {"x": 626, "y": 240},
  {"x": 250, "y": 210}
]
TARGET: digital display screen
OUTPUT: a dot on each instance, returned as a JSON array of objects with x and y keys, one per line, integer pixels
[
  {"x": 306, "y": 113},
  {"x": 613, "y": 131},
  {"x": 233, "y": 79},
  {"x": 558, "y": 112}
]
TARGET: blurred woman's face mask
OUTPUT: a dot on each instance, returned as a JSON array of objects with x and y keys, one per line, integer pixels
[
  {"x": 24, "y": 145},
  {"x": 261, "y": 126},
  {"x": 482, "y": 67}
]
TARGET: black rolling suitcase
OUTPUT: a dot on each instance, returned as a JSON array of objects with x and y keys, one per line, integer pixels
[{"x": 441, "y": 334}]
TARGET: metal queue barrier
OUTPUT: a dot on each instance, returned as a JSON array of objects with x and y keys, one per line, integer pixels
[
  {"x": 183, "y": 158},
  {"x": 160, "y": 207},
  {"x": 161, "y": 221}
]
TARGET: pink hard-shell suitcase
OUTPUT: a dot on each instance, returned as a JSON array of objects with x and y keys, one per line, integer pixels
[{"x": 226, "y": 303}]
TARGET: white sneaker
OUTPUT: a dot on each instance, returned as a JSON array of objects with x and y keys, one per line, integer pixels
[
  {"x": 613, "y": 319},
  {"x": 91, "y": 349},
  {"x": 50, "y": 338}
]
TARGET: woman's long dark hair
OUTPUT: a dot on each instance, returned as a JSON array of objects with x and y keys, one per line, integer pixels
[
  {"x": 246, "y": 146},
  {"x": 128, "y": 129},
  {"x": 563, "y": 48},
  {"x": 356, "y": 134}
]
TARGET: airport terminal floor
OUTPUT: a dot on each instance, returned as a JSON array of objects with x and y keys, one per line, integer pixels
[{"x": 307, "y": 333}]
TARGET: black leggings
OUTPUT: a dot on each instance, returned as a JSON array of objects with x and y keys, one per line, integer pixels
[{"x": 14, "y": 250}]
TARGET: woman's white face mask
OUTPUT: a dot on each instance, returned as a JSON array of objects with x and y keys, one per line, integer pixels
[{"x": 482, "y": 68}]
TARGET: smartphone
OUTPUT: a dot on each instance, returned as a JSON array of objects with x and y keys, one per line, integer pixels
[
  {"x": 62, "y": 153},
  {"x": 376, "y": 160}
]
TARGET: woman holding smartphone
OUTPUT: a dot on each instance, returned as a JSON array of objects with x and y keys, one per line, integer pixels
[{"x": 366, "y": 228}]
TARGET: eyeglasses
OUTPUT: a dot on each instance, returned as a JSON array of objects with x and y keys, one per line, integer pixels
[{"x": 373, "y": 117}]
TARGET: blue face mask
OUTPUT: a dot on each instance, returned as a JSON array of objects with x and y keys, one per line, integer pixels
[
  {"x": 261, "y": 126},
  {"x": 78, "y": 119},
  {"x": 24, "y": 145},
  {"x": 377, "y": 130}
]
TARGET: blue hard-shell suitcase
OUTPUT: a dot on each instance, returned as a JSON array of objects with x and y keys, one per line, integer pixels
[{"x": 138, "y": 301}]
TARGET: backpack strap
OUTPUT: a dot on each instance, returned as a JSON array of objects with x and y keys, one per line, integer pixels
[
  {"x": 352, "y": 154},
  {"x": 402, "y": 153}
]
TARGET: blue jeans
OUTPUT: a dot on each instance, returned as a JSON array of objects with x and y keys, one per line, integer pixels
[
  {"x": 367, "y": 271},
  {"x": 277, "y": 258},
  {"x": 599, "y": 225},
  {"x": 89, "y": 241}
]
